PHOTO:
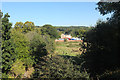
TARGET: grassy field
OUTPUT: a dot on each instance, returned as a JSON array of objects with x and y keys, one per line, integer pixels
[{"x": 67, "y": 48}]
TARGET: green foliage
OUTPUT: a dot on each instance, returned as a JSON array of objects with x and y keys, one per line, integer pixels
[
  {"x": 28, "y": 26},
  {"x": 103, "y": 49},
  {"x": 30, "y": 35},
  {"x": 50, "y": 44},
  {"x": 75, "y": 31},
  {"x": 20, "y": 48},
  {"x": 67, "y": 48},
  {"x": 58, "y": 67},
  {"x": 24, "y": 27},
  {"x": 24, "y": 44},
  {"x": 102, "y": 42},
  {"x": 50, "y": 30},
  {"x": 19, "y": 54},
  {"x": 18, "y": 25},
  {"x": 38, "y": 30},
  {"x": 79, "y": 33},
  {"x": 0, "y": 43},
  {"x": 4, "y": 75},
  {"x": 40, "y": 45},
  {"x": 37, "y": 45},
  {"x": 6, "y": 26},
  {"x": 18, "y": 68},
  {"x": 110, "y": 7}
]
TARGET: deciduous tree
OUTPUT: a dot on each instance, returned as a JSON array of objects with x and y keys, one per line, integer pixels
[
  {"x": 28, "y": 26},
  {"x": 103, "y": 49},
  {"x": 49, "y": 30}
]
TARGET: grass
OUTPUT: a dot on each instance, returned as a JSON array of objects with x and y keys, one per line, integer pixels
[{"x": 67, "y": 48}]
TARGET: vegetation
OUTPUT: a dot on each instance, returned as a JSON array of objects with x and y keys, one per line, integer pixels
[
  {"x": 22, "y": 47},
  {"x": 24, "y": 27},
  {"x": 68, "y": 48},
  {"x": 103, "y": 50},
  {"x": 29, "y": 49},
  {"x": 31, "y": 52},
  {"x": 61, "y": 68},
  {"x": 0, "y": 43},
  {"x": 5, "y": 47},
  {"x": 40, "y": 45},
  {"x": 49, "y": 30},
  {"x": 75, "y": 31}
]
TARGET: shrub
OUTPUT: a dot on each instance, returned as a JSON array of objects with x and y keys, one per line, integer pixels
[
  {"x": 58, "y": 67},
  {"x": 20, "y": 48},
  {"x": 18, "y": 68},
  {"x": 40, "y": 45}
]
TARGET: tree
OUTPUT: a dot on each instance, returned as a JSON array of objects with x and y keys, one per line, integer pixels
[
  {"x": 110, "y": 7},
  {"x": 20, "y": 52},
  {"x": 0, "y": 42},
  {"x": 28, "y": 26},
  {"x": 6, "y": 61},
  {"x": 20, "y": 48},
  {"x": 18, "y": 26},
  {"x": 68, "y": 31},
  {"x": 103, "y": 49},
  {"x": 49, "y": 30},
  {"x": 40, "y": 45},
  {"x": 38, "y": 30},
  {"x": 79, "y": 33}
]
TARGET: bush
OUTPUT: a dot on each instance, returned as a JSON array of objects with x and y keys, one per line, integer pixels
[
  {"x": 19, "y": 53},
  {"x": 58, "y": 67},
  {"x": 40, "y": 45},
  {"x": 19, "y": 48},
  {"x": 18, "y": 68}
]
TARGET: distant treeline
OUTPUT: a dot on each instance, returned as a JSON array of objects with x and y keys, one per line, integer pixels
[
  {"x": 62, "y": 28},
  {"x": 75, "y": 31},
  {"x": 66, "y": 26}
]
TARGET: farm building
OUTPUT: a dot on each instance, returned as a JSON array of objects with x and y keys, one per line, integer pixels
[
  {"x": 68, "y": 37},
  {"x": 65, "y": 36}
]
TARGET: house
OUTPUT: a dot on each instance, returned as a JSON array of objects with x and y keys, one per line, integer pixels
[{"x": 66, "y": 36}]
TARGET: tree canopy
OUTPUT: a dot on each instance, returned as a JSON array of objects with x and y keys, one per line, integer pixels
[
  {"x": 6, "y": 60},
  {"x": 110, "y": 7},
  {"x": 102, "y": 41},
  {"x": 49, "y": 30}
]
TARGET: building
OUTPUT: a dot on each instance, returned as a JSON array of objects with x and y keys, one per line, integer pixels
[
  {"x": 65, "y": 36},
  {"x": 68, "y": 37}
]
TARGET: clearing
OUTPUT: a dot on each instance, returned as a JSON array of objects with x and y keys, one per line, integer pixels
[{"x": 67, "y": 48}]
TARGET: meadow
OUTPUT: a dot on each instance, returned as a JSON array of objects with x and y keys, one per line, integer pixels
[{"x": 68, "y": 48}]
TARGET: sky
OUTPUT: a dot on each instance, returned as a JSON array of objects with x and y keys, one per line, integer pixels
[{"x": 54, "y": 13}]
